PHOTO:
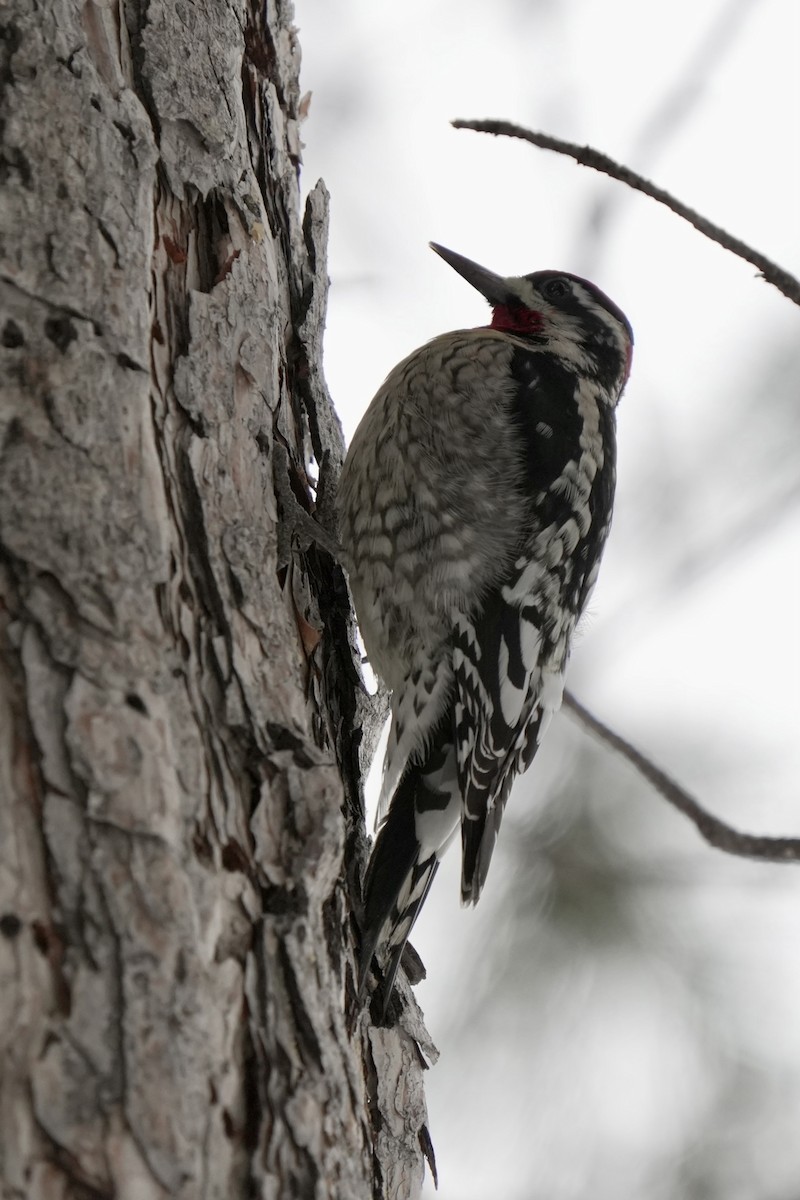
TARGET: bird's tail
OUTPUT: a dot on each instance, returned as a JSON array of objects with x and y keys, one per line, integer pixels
[
  {"x": 423, "y": 816},
  {"x": 483, "y": 814}
]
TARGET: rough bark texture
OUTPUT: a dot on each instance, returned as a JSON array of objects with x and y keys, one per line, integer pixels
[{"x": 180, "y": 826}]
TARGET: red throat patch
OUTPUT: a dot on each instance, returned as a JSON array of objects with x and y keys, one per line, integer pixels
[{"x": 517, "y": 319}]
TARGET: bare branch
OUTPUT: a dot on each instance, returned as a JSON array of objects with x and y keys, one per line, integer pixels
[
  {"x": 715, "y": 831},
  {"x": 587, "y": 157}
]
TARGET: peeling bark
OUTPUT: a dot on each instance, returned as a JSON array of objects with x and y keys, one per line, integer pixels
[{"x": 182, "y": 726}]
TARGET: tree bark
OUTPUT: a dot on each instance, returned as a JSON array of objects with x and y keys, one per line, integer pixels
[{"x": 181, "y": 830}]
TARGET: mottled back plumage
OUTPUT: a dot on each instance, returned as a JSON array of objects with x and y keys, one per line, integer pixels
[{"x": 474, "y": 505}]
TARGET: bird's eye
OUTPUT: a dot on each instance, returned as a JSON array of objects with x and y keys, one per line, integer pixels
[{"x": 556, "y": 289}]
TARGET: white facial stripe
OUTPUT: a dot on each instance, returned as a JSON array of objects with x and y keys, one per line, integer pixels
[
  {"x": 527, "y": 293},
  {"x": 531, "y": 298},
  {"x": 566, "y": 334}
]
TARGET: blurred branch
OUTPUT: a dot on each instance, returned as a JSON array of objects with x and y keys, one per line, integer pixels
[
  {"x": 694, "y": 77},
  {"x": 674, "y": 109},
  {"x": 587, "y": 157},
  {"x": 716, "y": 832}
]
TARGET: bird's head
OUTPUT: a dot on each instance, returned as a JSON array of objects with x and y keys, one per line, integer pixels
[{"x": 563, "y": 312}]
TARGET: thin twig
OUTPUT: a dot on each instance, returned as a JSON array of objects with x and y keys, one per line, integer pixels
[
  {"x": 587, "y": 157},
  {"x": 716, "y": 832}
]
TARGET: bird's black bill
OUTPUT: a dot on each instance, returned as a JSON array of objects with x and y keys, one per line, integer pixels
[{"x": 493, "y": 287}]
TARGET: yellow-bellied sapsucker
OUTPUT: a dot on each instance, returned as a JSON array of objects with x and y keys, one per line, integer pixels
[{"x": 474, "y": 506}]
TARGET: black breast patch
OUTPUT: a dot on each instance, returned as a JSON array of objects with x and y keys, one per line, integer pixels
[{"x": 545, "y": 409}]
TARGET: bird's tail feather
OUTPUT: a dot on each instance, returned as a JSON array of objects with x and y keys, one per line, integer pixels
[{"x": 422, "y": 817}]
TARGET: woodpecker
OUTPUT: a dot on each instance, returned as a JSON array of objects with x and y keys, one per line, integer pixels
[{"x": 474, "y": 505}]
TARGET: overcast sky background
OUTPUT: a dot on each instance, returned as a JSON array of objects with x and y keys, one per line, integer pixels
[{"x": 620, "y": 1016}]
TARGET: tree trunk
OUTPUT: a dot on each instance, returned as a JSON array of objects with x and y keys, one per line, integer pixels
[{"x": 181, "y": 833}]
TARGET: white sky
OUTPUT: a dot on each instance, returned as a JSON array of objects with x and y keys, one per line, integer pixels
[{"x": 711, "y": 662}]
